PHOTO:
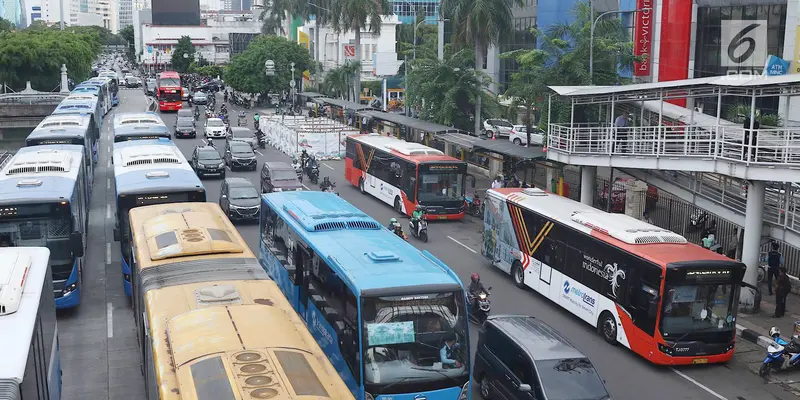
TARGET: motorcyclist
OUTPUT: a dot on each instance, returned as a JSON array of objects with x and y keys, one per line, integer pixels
[
  {"x": 326, "y": 184},
  {"x": 416, "y": 216},
  {"x": 211, "y": 142},
  {"x": 303, "y": 158},
  {"x": 475, "y": 287},
  {"x": 225, "y": 96},
  {"x": 224, "y": 109},
  {"x": 196, "y": 112},
  {"x": 392, "y": 223}
]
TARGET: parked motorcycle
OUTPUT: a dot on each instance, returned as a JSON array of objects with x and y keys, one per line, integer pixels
[
  {"x": 781, "y": 355},
  {"x": 481, "y": 306},
  {"x": 421, "y": 230},
  {"x": 697, "y": 220}
]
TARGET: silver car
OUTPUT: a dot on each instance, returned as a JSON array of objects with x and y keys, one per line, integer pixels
[{"x": 241, "y": 134}]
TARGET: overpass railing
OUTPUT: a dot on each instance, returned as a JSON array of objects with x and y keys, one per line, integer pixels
[
  {"x": 31, "y": 99},
  {"x": 777, "y": 146}
]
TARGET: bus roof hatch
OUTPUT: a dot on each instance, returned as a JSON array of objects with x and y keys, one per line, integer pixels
[{"x": 625, "y": 228}]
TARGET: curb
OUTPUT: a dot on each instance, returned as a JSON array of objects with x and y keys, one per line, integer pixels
[{"x": 753, "y": 336}]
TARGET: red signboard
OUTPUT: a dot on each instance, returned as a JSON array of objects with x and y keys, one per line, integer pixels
[
  {"x": 643, "y": 37},
  {"x": 349, "y": 51}
]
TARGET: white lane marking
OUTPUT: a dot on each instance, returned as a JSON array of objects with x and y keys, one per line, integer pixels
[
  {"x": 462, "y": 244},
  {"x": 108, "y": 163},
  {"x": 108, "y": 253},
  {"x": 698, "y": 384},
  {"x": 304, "y": 185},
  {"x": 110, "y": 318},
  {"x": 205, "y": 143},
  {"x": 108, "y": 183},
  {"x": 108, "y": 211},
  {"x": 259, "y": 153},
  {"x": 109, "y": 149},
  {"x": 327, "y": 165}
]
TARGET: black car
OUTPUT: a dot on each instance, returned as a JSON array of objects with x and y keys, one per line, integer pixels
[
  {"x": 521, "y": 357},
  {"x": 239, "y": 155},
  {"x": 211, "y": 86},
  {"x": 185, "y": 127},
  {"x": 279, "y": 177},
  {"x": 206, "y": 161},
  {"x": 150, "y": 88},
  {"x": 185, "y": 113},
  {"x": 132, "y": 82},
  {"x": 239, "y": 199}
]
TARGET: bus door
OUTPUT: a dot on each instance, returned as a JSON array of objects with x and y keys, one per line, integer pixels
[{"x": 302, "y": 261}]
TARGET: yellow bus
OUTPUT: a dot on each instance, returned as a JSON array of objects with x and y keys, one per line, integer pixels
[{"x": 211, "y": 323}]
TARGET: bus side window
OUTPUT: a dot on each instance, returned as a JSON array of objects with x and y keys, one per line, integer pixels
[
  {"x": 268, "y": 226},
  {"x": 350, "y": 149},
  {"x": 410, "y": 182}
]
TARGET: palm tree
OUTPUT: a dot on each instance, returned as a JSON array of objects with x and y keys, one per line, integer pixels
[
  {"x": 338, "y": 80},
  {"x": 354, "y": 15},
  {"x": 273, "y": 14},
  {"x": 481, "y": 23}
]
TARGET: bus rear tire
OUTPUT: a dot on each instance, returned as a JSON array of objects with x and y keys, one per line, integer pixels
[
  {"x": 518, "y": 275},
  {"x": 607, "y": 327}
]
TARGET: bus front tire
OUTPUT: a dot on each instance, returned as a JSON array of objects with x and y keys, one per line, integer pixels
[
  {"x": 518, "y": 274},
  {"x": 607, "y": 327},
  {"x": 361, "y": 186},
  {"x": 397, "y": 206},
  {"x": 485, "y": 390}
]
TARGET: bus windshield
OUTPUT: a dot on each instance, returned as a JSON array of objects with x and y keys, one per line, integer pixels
[
  {"x": 697, "y": 307},
  {"x": 40, "y": 225},
  {"x": 440, "y": 186},
  {"x": 170, "y": 95},
  {"x": 404, "y": 336},
  {"x": 170, "y": 82}
]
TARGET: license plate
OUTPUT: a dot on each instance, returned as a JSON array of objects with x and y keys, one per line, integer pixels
[
  {"x": 700, "y": 361},
  {"x": 442, "y": 217}
]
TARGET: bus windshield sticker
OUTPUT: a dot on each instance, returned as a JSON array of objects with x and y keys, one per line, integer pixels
[
  {"x": 390, "y": 333},
  {"x": 684, "y": 294},
  {"x": 427, "y": 178}
]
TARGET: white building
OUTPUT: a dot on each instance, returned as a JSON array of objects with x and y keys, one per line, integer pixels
[
  {"x": 89, "y": 19},
  {"x": 33, "y": 11},
  {"x": 51, "y": 11},
  {"x": 378, "y": 53},
  {"x": 108, "y": 10},
  {"x": 213, "y": 41},
  {"x": 125, "y": 13}
]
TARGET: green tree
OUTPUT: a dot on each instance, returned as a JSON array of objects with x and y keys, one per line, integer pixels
[
  {"x": 427, "y": 39},
  {"x": 480, "y": 23},
  {"x": 246, "y": 71},
  {"x": 273, "y": 15},
  {"x": 355, "y": 15},
  {"x": 37, "y": 56},
  {"x": 210, "y": 71},
  {"x": 338, "y": 81},
  {"x": 183, "y": 54},
  {"x": 127, "y": 34},
  {"x": 444, "y": 91},
  {"x": 527, "y": 87},
  {"x": 6, "y": 25}
]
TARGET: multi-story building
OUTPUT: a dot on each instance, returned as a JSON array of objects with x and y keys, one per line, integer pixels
[
  {"x": 125, "y": 13},
  {"x": 13, "y": 11},
  {"x": 108, "y": 10},
  {"x": 406, "y": 10},
  {"x": 33, "y": 11}
]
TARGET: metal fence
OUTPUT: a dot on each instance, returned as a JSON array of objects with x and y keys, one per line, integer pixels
[{"x": 670, "y": 212}]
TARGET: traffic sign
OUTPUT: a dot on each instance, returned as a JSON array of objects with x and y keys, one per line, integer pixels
[
  {"x": 269, "y": 67},
  {"x": 292, "y": 84},
  {"x": 149, "y": 49}
]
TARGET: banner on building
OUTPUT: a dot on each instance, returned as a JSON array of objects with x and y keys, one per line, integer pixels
[
  {"x": 744, "y": 43},
  {"x": 643, "y": 37},
  {"x": 796, "y": 60}
]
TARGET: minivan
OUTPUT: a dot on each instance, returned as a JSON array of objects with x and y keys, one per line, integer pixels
[
  {"x": 520, "y": 357},
  {"x": 279, "y": 177}
]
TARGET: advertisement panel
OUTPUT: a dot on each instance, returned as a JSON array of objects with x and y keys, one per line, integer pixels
[{"x": 643, "y": 37}]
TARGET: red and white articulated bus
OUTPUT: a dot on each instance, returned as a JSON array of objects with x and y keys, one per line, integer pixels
[
  {"x": 169, "y": 91},
  {"x": 404, "y": 175},
  {"x": 641, "y": 286}
]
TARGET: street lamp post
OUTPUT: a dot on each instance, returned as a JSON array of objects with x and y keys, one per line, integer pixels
[
  {"x": 292, "y": 85},
  {"x": 591, "y": 35}
]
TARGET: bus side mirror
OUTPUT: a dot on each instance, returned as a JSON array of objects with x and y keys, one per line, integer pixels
[
  {"x": 76, "y": 242},
  {"x": 116, "y": 235},
  {"x": 652, "y": 307}
]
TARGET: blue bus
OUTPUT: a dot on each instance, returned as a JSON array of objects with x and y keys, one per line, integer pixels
[
  {"x": 68, "y": 129},
  {"x": 138, "y": 126},
  {"x": 106, "y": 96},
  {"x": 113, "y": 86},
  {"x": 149, "y": 172},
  {"x": 45, "y": 203},
  {"x": 379, "y": 308},
  {"x": 31, "y": 367},
  {"x": 93, "y": 90},
  {"x": 89, "y": 107}
]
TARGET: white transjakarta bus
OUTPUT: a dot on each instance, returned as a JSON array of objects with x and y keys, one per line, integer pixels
[{"x": 31, "y": 366}]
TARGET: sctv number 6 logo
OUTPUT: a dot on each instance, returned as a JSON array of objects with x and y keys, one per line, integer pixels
[{"x": 744, "y": 43}]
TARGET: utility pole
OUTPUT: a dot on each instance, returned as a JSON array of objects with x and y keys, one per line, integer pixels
[{"x": 61, "y": 8}]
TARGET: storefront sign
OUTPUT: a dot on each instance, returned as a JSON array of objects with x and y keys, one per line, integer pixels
[
  {"x": 643, "y": 35},
  {"x": 796, "y": 60},
  {"x": 776, "y": 66}
]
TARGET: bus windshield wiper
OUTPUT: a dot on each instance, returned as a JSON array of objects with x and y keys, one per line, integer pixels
[
  {"x": 442, "y": 373},
  {"x": 695, "y": 331}
]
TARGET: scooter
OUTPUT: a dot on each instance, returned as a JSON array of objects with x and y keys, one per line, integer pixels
[
  {"x": 398, "y": 230},
  {"x": 209, "y": 113},
  {"x": 313, "y": 174},
  {"x": 781, "y": 355},
  {"x": 421, "y": 230},
  {"x": 697, "y": 220},
  {"x": 298, "y": 169},
  {"x": 328, "y": 189},
  {"x": 262, "y": 139},
  {"x": 481, "y": 306},
  {"x": 474, "y": 205}
]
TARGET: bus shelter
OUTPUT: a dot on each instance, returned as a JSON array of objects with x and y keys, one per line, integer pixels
[
  {"x": 402, "y": 126},
  {"x": 493, "y": 157},
  {"x": 341, "y": 110}
]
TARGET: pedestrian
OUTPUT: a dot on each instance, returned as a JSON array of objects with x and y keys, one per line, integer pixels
[
  {"x": 497, "y": 183},
  {"x": 782, "y": 289},
  {"x": 621, "y": 127},
  {"x": 646, "y": 217},
  {"x": 774, "y": 261}
]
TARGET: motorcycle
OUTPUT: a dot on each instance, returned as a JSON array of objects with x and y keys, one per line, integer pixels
[
  {"x": 474, "y": 205},
  {"x": 313, "y": 173},
  {"x": 479, "y": 311},
  {"x": 781, "y": 356},
  {"x": 328, "y": 188},
  {"x": 242, "y": 120},
  {"x": 697, "y": 220},
  {"x": 398, "y": 230},
  {"x": 196, "y": 113},
  {"x": 421, "y": 230},
  {"x": 209, "y": 113},
  {"x": 298, "y": 169},
  {"x": 262, "y": 139}
]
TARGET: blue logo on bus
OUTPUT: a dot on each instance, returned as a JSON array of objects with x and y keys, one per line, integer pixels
[
  {"x": 566, "y": 287},
  {"x": 585, "y": 297}
]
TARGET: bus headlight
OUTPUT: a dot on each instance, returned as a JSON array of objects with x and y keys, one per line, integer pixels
[
  {"x": 464, "y": 392},
  {"x": 127, "y": 277},
  {"x": 368, "y": 396},
  {"x": 69, "y": 289}
]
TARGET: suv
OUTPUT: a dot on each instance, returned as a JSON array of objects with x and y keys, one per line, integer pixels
[
  {"x": 206, "y": 161},
  {"x": 279, "y": 177},
  {"x": 150, "y": 87},
  {"x": 239, "y": 199},
  {"x": 519, "y": 135},
  {"x": 243, "y": 135},
  {"x": 239, "y": 155},
  {"x": 520, "y": 357},
  {"x": 499, "y": 127}
]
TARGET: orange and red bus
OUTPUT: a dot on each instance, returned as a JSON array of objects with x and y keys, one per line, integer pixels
[
  {"x": 641, "y": 286},
  {"x": 169, "y": 91},
  {"x": 404, "y": 175}
]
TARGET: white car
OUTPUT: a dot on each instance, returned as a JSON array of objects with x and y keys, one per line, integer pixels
[
  {"x": 215, "y": 128},
  {"x": 519, "y": 136},
  {"x": 500, "y": 127}
]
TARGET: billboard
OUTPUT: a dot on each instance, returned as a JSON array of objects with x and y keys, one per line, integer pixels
[{"x": 176, "y": 12}]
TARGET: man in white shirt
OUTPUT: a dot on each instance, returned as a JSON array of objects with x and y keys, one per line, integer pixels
[{"x": 497, "y": 183}]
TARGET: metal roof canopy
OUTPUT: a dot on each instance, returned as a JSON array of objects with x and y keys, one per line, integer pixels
[
  {"x": 344, "y": 104},
  {"x": 407, "y": 121},
  {"x": 503, "y": 147},
  {"x": 727, "y": 85},
  {"x": 310, "y": 95}
]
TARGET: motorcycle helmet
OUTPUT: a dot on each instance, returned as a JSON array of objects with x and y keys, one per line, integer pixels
[
  {"x": 475, "y": 277},
  {"x": 418, "y": 207},
  {"x": 393, "y": 220},
  {"x": 774, "y": 331}
]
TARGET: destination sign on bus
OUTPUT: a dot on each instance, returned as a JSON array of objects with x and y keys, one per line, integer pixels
[
  {"x": 55, "y": 141},
  {"x": 700, "y": 275},
  {"x": 146, "y": 200},
  {"x": 143, "y": 137},
  {"x": 443, "y": 167}
]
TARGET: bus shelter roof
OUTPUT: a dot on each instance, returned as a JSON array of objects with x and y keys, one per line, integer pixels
[
  {"x": 503, "y": 147},
  {"x": 343, "y": 104},
  {"x": 311, "y": 95},
  {"x": 407, "y": 121}
]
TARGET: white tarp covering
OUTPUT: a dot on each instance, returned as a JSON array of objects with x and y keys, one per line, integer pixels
[{"x": 321, "y": 137}]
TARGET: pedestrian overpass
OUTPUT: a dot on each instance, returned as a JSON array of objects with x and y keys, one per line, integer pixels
[{"x": 676, "y": 148}]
